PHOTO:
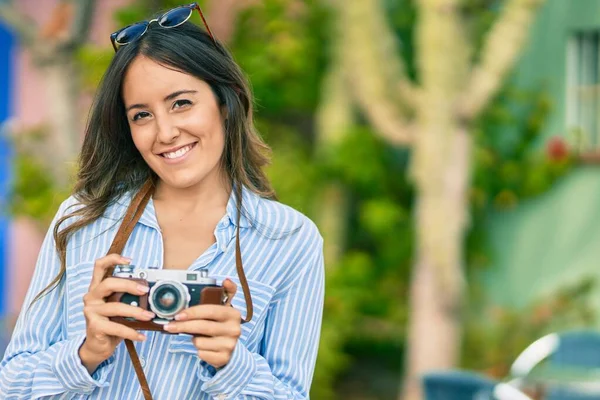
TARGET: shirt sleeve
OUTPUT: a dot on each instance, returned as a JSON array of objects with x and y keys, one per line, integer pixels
[
  {"x": 285, "y": 367},
  {"x": 40, "y": 360}
]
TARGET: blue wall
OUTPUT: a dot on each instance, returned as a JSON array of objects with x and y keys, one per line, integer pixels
[{"x": 6, "y": 47}]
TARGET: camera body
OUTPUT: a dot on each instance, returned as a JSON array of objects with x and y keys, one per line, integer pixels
[{"x": 171, "y": 291}]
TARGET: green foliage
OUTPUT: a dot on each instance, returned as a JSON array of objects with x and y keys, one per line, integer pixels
[
  {"x": 509, "y": 166},
  {"x": 282, "y": 47},
  {"x": 33, "y": 191},
  {"x": 94, "y": 61},
  {"x": 367, "y": 291},
  {"x": 292, "y": 171},
  {"x": 402, "y": 16},
  {"x": 505, "y": 135}
]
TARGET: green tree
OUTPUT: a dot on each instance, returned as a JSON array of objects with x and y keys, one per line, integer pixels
[{"x": 433, "y": 115}]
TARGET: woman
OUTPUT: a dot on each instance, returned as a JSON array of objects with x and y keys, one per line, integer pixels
[{"x": 173, "y": 108}]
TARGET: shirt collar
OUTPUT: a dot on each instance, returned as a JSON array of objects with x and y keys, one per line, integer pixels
[{"x": 250, "y": 203}]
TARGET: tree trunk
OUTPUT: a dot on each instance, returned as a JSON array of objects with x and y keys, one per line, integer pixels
[
  {"x": 62, "y": 89},
  {"x": 440, "y": 170},
  {"x": 334, "y": 118},
  {"x": 437, "y": 286}
]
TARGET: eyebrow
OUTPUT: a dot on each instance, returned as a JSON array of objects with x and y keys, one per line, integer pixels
[{"x": 167, "y": 98}]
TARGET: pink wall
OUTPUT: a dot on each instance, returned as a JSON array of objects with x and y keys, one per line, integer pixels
[{"x": 30, "y": 110}]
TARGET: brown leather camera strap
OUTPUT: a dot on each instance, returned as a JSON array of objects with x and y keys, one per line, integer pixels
[
  {"x": 139, "y": 371},
  {"x": 133, "y": 214},
  {"x": 238, "y": 260}
]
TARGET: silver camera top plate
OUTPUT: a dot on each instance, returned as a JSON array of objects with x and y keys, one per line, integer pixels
[{"x": 152, "y": 275}]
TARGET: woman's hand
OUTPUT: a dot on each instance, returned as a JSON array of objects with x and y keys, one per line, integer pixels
[
  {"x": 216, "y": 328},
  {"x": 103, "y": 335}
]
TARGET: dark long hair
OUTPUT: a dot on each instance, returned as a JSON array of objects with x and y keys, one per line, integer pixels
[{"x": 110, "y": 164}]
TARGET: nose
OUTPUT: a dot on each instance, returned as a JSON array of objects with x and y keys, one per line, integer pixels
[{"x": 166, "y": 130}]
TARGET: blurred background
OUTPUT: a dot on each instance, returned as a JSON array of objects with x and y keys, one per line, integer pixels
[{"x": 448, "y": 150}]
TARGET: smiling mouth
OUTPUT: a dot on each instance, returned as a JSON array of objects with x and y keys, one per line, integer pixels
[{"x": 179, "y": 152}]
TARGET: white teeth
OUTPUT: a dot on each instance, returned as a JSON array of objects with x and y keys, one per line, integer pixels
[{"x": 178, "y": 153}]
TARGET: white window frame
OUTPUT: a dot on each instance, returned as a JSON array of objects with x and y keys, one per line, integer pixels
[{"x": 583, "y": 89}]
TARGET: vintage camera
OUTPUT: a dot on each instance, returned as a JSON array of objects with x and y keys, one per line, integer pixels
[{"x": 171, "y": 291}]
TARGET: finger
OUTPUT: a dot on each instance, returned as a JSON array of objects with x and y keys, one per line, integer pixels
[
  {"x": 196, "y": 327},
  {"x": 121, "y": 310},
  {"x": 102, "y": 264},
  {"x": 210, "y": 312},
  {"x": 217, "y": 359},
  {"x": 230, "y": 289},
  {"x": 118, "y": 285},
  {"x": 117, "y": 330},
  {"x": 205, "y": 328},
  {"x": 214, "y": 344}
]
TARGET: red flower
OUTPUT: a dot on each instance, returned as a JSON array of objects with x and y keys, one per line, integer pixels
[{"x": 557, "y": 149}]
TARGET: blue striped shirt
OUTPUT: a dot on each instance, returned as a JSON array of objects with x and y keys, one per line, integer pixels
[{"x": 282, "y": 253}]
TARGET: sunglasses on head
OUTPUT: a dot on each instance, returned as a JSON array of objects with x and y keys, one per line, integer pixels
[{"x": 170, "y": 19}]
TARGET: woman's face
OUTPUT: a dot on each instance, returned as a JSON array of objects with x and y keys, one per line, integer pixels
[{"x": 176, "y": 123}]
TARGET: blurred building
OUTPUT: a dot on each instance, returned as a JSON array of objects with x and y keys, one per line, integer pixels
[
  {"x": 23, "y": 100},
  {"x": 554, "y": 240},
  {"x": 6, "y": 72}
]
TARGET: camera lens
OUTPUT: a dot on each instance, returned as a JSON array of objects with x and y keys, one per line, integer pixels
[{"x": 167, "y": 298}]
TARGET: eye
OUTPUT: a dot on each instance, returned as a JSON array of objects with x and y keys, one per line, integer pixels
[
  {"x": 142, "y": 114},
  {"x": 181, "y": 103}
]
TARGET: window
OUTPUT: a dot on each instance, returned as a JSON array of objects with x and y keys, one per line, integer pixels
[{"x": 583, "y": 89}]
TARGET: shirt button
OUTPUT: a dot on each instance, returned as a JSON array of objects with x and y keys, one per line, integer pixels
[
  {"x": 224, "y": 247},
  {"x": 142, "y": 362},
  {"x": 222, "y": 396}
]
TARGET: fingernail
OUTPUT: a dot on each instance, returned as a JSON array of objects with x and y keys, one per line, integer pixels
[
  {"x": 148, "y": 314},
  {"x": 141, "y": 337},
  {"x": 143, "y": 288},
  {"x": 126, "y": 259},
  {"x": 180, "y": 317},
  {"x": 167, "y": 327}
]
